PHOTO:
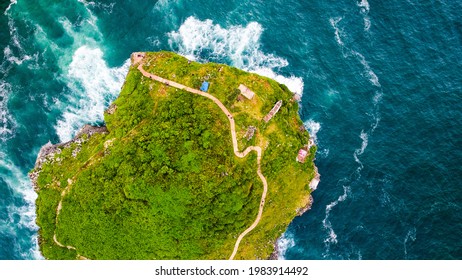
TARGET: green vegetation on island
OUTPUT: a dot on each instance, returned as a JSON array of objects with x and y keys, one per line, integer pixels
[{"x": 163, "y": 182}]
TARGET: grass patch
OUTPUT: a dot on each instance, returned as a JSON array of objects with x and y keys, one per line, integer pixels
[{"x": 169, "y": 186}]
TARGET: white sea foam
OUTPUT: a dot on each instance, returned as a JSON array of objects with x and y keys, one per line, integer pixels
[
  {"x": 331, "y": 235},
  {"x": 284, "y": 243},
  {"x": 365, "y": 137},
  {"x": 165, "y": 3},
  {"x": 384, "y": 198},
  {"x": 313, "y": 128},
  {"x": 20, "y": 216},
  {"x": 12, "y": 2},
  {"x": 294, "y": 84},
  {"x": 167, "y": 9},
  {"x": 14, "y": 52},
  {"x": 324, "y": 153},
  {"x": 21, "y": 184},
  {"x": 365, "y": 140},
  {"x": 240, "y": 45},
  {"x": 106, "y": 7},
  {"x": 8, "y": 53},
  {"x": 334, "y": 23},
  {"x": 93, "y": 85},
  {"x": 364, "y": 5},
  {"x": 84, "y": 32},
  {"x": 7, "y": 123},
  {"x": 369, "y": 73},
  {"x": 367, "y": 23},
  {"x": 410, "y": 236},
  {"x": 377, "y": 97},
  {"x": 367, "y": 69},
  {"x": 375, "y": 118},
  {"x": 153, "y": 41}
]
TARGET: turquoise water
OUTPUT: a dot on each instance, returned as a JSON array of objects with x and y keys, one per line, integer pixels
[{"x": 381, "y": 89}]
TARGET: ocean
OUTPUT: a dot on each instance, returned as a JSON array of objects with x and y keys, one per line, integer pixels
[{"x": 381, "y": 86}]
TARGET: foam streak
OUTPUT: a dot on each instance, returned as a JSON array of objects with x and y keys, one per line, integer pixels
[
  {"x": 364, "y": 9},
  {"x": 331, "y": 235},
  {"x": 12, "y": 2},
  {"x": 334, "y": 23},
  {"x": 7, "y": 123}
]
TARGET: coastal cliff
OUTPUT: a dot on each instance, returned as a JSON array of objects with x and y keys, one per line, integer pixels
[{"x": 182, "y": 169}]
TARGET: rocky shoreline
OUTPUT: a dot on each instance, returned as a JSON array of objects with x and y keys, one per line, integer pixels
[
  {"x": 313, "y": 185},
  {"x": 49, "y": 151}
]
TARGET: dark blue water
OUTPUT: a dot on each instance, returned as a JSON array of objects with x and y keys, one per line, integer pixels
[{"x": 381, "y": 87}]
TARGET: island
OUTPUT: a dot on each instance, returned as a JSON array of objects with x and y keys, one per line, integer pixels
[{"x": 194, "y": 161}]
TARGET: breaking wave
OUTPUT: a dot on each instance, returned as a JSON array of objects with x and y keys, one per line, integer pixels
[
  {"x": 238, "y": 45},
  {"x": 284, "y": 243},
  {"x": 93, "y": 85},
  {"x": 90, "y": 83},
  {"x": 20, "y": 218},
  {"x": 313, "y": 128}
]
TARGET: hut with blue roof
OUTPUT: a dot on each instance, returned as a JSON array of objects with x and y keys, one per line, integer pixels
[{"x": 205, "y": 86}]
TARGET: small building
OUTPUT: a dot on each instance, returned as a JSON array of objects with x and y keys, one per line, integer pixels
[
  {"x": 246, "y": 92},
  {"x": 205, "y": 86},
  {"x": 301, "y": 157},
  {"x": 250, "y": 132},
  {"x": 273, "y": 111}
]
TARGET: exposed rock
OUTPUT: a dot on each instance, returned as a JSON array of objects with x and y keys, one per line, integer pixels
[
  {"x": 313, "y": 185},
  {"x": 111, "y": 110},
  {"x": 90, "y": 130},
  {"x": 48, "y": 151},
  {"x": 307, "y": 207},
  {"x": 315, "y": 181},
  {"x": 275, "y": 254}
]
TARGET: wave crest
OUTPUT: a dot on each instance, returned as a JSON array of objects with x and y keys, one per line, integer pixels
[
  {"x": 238, "y": 46},
  {"x": 93, "y": 85},
  {"x": 284, "y": 243},
  {"x": 313, "y": 128}
]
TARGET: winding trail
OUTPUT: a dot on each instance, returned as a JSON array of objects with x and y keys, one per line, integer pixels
[
  {"x": 138, "y": 58},
  {"x": 58, "y": 210}
]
